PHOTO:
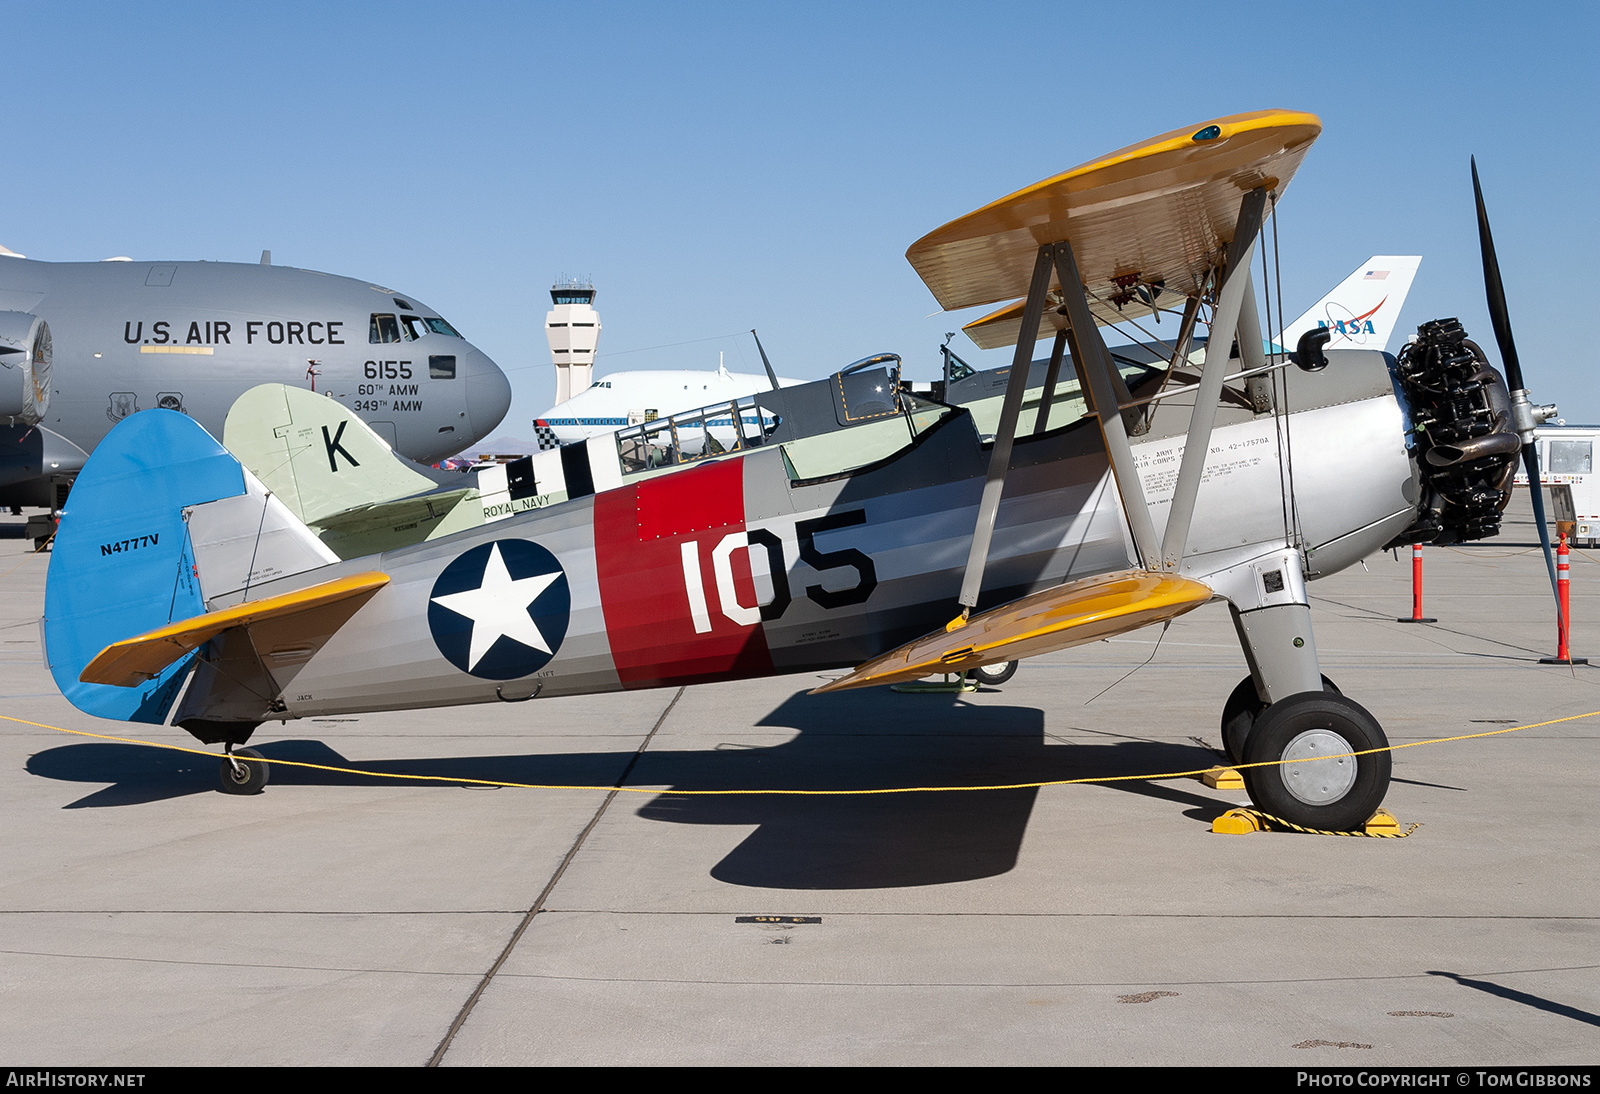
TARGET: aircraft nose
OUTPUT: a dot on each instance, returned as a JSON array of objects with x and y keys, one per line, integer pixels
[{"x": 488, "y": 393}]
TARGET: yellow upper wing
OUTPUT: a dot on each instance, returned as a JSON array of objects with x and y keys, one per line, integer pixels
[{"x": 1157, "y": 211}]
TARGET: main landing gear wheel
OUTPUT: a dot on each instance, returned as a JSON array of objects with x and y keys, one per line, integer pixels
[
  {"x": 243, "y": 772},
  {"x": 992, "y": 676},
  {"x": 1328, "y": 790},
  {"x": 1240, "y": 712}
]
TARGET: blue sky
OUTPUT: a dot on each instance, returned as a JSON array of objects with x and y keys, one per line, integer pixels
[{"x": 721, "y": 167}]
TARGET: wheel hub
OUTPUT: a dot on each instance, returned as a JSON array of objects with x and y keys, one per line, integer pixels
[{"x": 1325, "y": 773}]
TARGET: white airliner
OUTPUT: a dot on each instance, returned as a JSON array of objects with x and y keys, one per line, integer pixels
[
  {"x": 628, "y": 398},
  {"x": 1361, "y": 312}
]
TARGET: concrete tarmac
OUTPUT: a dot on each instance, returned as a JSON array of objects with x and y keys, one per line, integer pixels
[{"x": 150, "y": 920}]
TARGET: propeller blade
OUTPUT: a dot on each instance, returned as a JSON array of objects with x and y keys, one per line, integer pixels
[
  {"x": 1495, "y": 290},
  {"x": 1530, "y": 462}
]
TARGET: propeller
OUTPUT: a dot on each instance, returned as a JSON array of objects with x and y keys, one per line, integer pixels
[{"x": 1523, "y": 414}]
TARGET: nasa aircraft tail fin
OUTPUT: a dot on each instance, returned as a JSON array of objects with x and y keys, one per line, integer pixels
[
  {"x": 1362, "y": 309},
  {"x": 161, "y": 522}
]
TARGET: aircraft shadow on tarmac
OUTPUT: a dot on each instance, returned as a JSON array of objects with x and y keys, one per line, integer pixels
[{"x": 863, "y": 740}]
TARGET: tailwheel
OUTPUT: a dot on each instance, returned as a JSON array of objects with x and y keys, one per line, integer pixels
[
  {"x": 243, "y": 772},
  {"x": 1240, "y": 712},
  {"x": 1314, "y": 783}
]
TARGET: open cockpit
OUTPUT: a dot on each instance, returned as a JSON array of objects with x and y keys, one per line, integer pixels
[{"x": 862, "y": 415}]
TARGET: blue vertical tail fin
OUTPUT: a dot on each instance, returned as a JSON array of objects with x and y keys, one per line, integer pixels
[{"x": 122, "y": 563}]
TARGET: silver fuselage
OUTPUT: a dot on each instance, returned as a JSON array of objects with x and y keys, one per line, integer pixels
[{"x": 1331, "y": 481}]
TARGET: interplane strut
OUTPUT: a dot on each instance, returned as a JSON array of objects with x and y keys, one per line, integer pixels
[
  {"x": 1235, "y": 315},
  {"x": 1224, "y": 324}
]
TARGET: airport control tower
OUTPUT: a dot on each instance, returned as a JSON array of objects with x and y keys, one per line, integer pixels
[{"x": 573, "y": 328}]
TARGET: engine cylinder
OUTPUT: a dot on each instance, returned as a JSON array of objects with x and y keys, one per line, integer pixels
[{"x": 1463, "y": 439}]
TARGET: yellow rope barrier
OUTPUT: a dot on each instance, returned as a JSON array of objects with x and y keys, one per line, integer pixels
[
  {"x": 1155, "y": 777},
  {"x": 30, "y": 555}
]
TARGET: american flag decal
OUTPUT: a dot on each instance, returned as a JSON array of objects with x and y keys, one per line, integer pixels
[{"x": 1376, "y": 275}]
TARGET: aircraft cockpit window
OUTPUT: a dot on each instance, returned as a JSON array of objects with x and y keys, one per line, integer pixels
[
  {"x": 383, "y": 329},
  {"x": 442, "y": 367},
  {"x": 416, "y": 326},
  {"x": 692, "y": 435},
  {"x": 879, "y": 438}
]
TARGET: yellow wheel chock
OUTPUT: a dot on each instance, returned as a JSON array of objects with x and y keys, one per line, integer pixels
[{"x": 1239, "y": 822}]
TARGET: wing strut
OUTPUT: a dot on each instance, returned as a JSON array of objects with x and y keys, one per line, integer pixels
[
  {"x": 1051, "y": 375},
  {"x": 1094, "y": 364},
  {"x": 1005, "y": 433},
  {"x": 1235, "y": 314},
  {"x": 1180, "y": 345},
  {"x": 1224, "y": 325}
]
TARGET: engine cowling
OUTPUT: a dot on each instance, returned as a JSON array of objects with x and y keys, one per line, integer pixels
[{"x": 25, "y": 359}]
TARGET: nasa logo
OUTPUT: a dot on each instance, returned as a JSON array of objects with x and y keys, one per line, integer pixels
[
  {"x": 500, "y": 610},
  {"x": 1348, "y": 326},
  {"x": 1355, "y": 328}
]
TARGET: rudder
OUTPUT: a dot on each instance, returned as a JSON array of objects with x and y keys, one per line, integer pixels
[{"x": 122, "y": 563}]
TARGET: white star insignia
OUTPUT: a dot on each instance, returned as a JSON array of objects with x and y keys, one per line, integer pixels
[{"x": 499, "y": 607}]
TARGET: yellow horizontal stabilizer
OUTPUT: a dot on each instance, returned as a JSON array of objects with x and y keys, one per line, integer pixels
[
  {"x": 1158, "y": 212},
  {"x": 133, "y": 661},
  {"x": 1068, "y": 615}
]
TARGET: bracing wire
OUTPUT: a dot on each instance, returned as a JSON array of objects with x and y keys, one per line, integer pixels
[{"x": 1164, "y": 625}]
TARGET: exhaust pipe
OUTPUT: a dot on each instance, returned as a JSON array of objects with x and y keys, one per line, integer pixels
[{"x": 1495, "y": 444}]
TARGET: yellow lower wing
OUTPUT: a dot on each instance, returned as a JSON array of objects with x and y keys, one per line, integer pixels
[
  {"x": 132, "y": 661},
  {"x": 1068, "y": 615},
  {"x": 1002, "y": 327}
]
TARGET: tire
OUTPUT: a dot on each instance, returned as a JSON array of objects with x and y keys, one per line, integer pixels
[
  {"x": 992, "y": 676},
  {"x": 249, "y": 777},
  {"x": 1335, "y": 794},
  {"x": 1240, "y": 712}
]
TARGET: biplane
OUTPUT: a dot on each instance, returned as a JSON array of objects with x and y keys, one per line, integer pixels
[{"x": 846, "y": 524}]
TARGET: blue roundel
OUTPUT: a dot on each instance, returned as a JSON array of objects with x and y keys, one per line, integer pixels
[{"x": 500, "y": 610}]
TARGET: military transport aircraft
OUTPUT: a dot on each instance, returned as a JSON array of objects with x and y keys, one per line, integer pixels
[
  {"x": 84, "y": 345},
  {"x": 852, "y": 525}
]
